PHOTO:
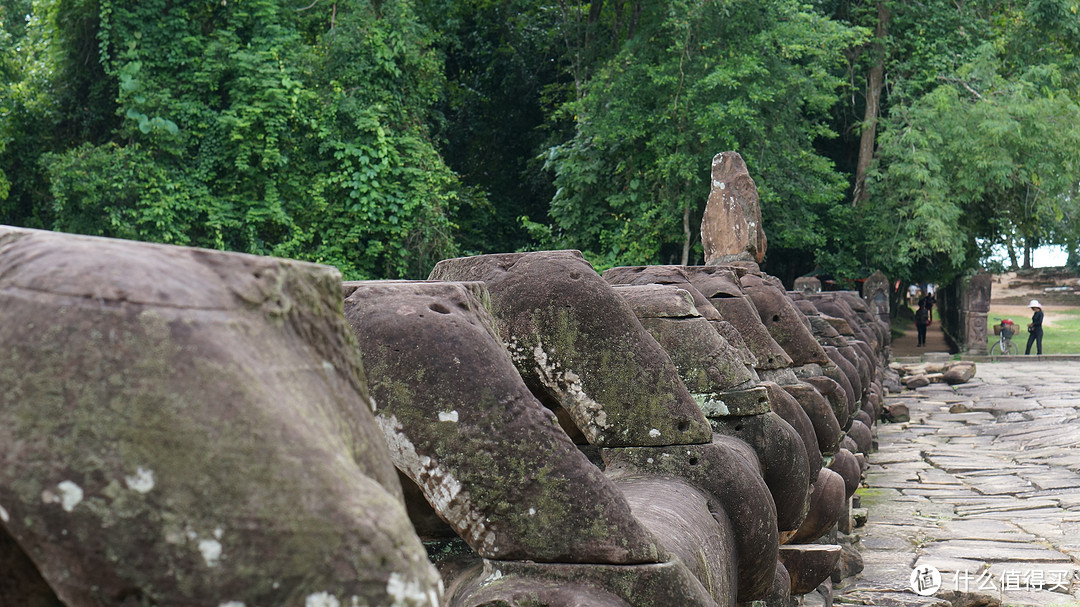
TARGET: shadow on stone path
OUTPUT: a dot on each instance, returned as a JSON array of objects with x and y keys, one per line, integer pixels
[{"x": 983, "y": 484}]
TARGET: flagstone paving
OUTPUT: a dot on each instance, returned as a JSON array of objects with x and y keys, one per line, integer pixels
[{"x": 983, "y": 485}]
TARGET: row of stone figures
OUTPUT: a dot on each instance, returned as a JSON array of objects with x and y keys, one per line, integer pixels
[{"x": 190, "y": 427}]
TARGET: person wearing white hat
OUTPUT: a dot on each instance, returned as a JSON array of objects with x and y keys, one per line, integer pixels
[{"x": 1035, "y": 332}]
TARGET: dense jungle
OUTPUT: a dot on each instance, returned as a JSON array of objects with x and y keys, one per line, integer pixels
[{"x": 382, "y": 136}]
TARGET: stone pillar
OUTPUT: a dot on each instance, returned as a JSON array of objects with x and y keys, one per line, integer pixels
[
  {"x": 975, "y": 300},
  {"x": 875, "y": 292},
  {"x": 731, "y": 225}
]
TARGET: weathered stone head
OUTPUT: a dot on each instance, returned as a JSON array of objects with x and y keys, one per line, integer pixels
[
  {"x": 785, "y": 323},
  {"x": 462, "y": 426},
  {"x": 808, "y": 284},
  {"x": 875, "y": 292},
  {"x": 190, "y": 427},
  {"x": 674, "y": 275},
  {"x": 579, "y": 346},
  {"x": 707, "y": 364},
  {"x": 721, "y": 286}
]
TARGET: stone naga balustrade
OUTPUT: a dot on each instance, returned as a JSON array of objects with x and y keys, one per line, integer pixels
[{"x": 182, "y": 426}]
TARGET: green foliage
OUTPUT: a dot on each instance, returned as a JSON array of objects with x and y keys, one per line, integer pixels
[
  {"x": 503, "y": 62},
  {"x": 699, "y": 78},
  {"x": 250, "y": 126},
  {"x": 382, "y": 135},
  {"x": 982, "y": 158}
]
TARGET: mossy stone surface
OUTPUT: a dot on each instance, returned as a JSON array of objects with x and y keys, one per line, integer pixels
[
  {"x": 577, "y": 344},
  {"x": 490, "y": 459},
  {"x": 20, "y": 581},
  {"x": 706, "y": 362},
  {"x": 182, "y": 426},
  {"x": 676, "y": 276}
]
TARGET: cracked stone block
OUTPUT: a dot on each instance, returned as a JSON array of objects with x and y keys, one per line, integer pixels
[
  {"x": 959, "y": 374},
  {"x": 579, "y": 346},
  {"x": 189, "y": 427}
]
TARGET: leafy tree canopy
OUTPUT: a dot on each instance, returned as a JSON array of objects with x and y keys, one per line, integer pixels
[
  {"x": 383, "y": 135},
  {"x": 249, "y": 125},
  {"x": 697, "y": 78}
]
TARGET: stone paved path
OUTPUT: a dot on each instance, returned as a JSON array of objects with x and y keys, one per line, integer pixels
[
  {"x": 907, "y": 344},
  {"x": 983, "y": 484}
]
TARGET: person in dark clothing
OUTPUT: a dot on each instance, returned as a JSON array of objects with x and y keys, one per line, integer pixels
[
  {"x": 930, "y": 301},
  {"x": 1035, "y": 332},
  {"x": 922, "y": 320}
]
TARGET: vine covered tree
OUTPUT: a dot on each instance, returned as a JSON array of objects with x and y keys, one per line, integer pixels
[{"x": 252, "y": 126}]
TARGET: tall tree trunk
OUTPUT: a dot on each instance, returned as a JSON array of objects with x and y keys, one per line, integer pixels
[
  {"x": 1027, "y": 254},
  {"x": 1015, "y": 264},
  {"x": 634, "y": 20},
  {"x": 687, "y": 234},
  {"x": 594, "y": 16},
  {"x": 873, "y": 103}
]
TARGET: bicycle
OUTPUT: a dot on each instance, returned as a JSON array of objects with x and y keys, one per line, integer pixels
[{"x": 1004, "y": 346}]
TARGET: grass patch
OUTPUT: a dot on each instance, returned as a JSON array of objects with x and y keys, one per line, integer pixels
[{"x": 1062, "y": 338}]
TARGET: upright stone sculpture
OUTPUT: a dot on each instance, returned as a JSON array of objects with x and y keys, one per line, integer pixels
[
  {"x": 189, "y": 427},
  {"x": 875, "y": 292},
  {"x": 976, "y": 306},
  {"x": 731, "y": 227}
]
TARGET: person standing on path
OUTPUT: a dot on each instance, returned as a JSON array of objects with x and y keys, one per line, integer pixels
[
  {"x": 1035, "y": 332},
  {"x": 930, "y": 301},
  {"x": 922, "y": 320}
]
